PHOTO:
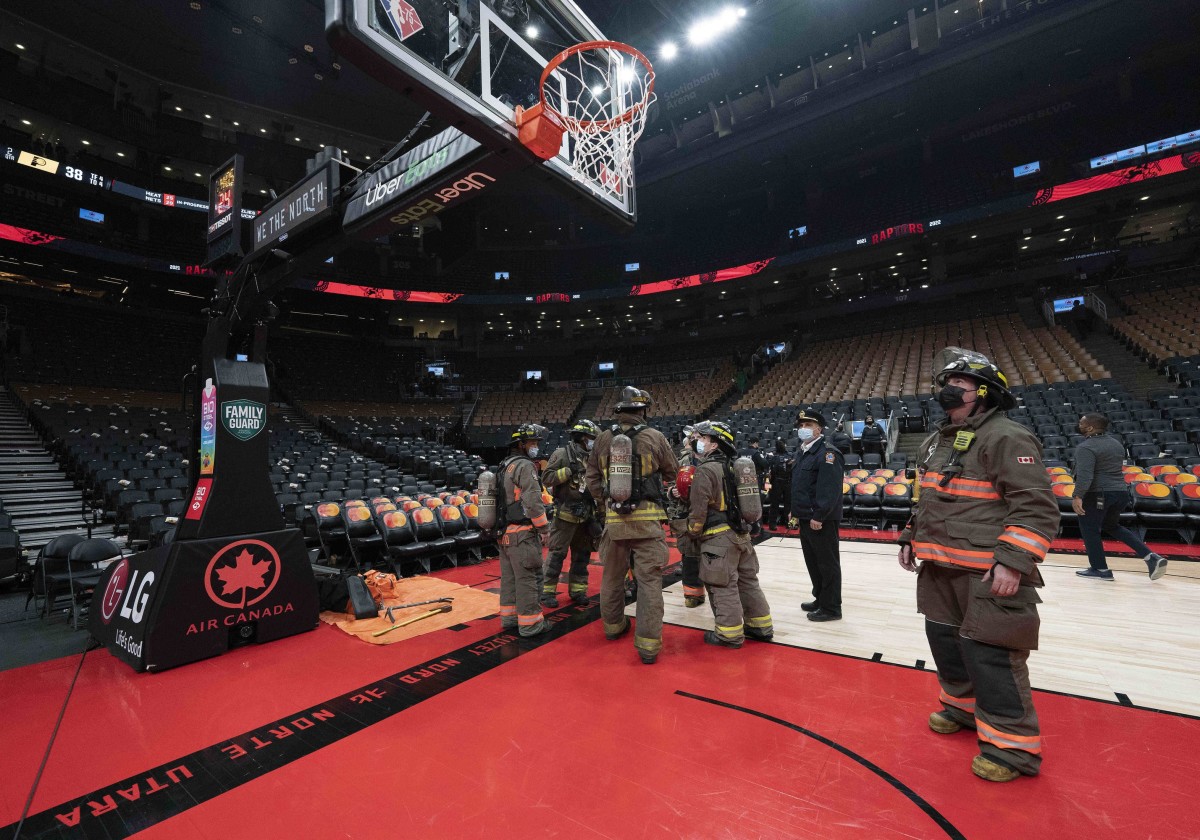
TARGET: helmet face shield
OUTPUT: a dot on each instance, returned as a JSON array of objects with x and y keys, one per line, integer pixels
[
  {"x": 585, "y": 427},
  {"x": 721, "y": 432},
  {"x": 949, "y": 355},
  {"x": 989, "y": 379},
  {"x": 633, "y": 399},
  {"x": 528, "y": 431}
]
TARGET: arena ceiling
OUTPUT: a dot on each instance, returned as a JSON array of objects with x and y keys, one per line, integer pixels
[
  {"x": 267, "y": 65},
  {"x": 243, "y": 50}
]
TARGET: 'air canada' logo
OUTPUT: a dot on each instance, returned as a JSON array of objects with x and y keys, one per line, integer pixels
[
  {"x": 243, "y": 418},
  {"x": 241, "y": 574}
]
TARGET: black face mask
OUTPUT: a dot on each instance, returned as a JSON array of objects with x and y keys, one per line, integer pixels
[{"x": 951, "y": 396}]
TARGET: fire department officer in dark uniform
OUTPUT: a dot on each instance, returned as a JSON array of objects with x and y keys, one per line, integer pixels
[
  {"x": 985, "y": 518},
  {"x": 521, "y": 543},
  {"x": 575, "y": 515},
  {"x": 817, "y": 505},
  {"x": 728, "y": 563},
  {"x": 633, "y": 531}
]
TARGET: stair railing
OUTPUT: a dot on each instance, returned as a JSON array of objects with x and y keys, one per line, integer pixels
[
  {"x": 1048, "y": 313},
  {"x": 1097, "y": 305}
]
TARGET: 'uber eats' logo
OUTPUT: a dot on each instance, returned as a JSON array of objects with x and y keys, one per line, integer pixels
[{"x": 243, "y": 419}]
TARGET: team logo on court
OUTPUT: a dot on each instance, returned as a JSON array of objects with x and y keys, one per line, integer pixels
[
  {"x": 241, "y": 574},
  {"x": 243, "y": 418},
  {"x": 115, "y": 589}
]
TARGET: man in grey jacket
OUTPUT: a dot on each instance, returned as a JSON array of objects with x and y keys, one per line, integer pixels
[{"x": 1100, "y": 497}]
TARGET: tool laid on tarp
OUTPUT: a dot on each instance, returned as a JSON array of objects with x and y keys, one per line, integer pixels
[
  {"x": 444, "y": 608},
  {"x": 391, "y": 618}
]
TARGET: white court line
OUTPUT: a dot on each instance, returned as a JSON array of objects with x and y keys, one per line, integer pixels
[{"x": 1132, "y": 636}]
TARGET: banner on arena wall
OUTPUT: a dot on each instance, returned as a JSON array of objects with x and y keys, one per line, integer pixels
[
  {"x": 1119, "y": 178},
  {"x": 690, "y": 280}
]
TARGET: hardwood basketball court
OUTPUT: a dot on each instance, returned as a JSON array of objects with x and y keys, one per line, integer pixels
[{"x": 471, "y": 732}]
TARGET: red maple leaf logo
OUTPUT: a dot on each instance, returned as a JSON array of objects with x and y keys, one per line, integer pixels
[{"x": 246, "y": 573}]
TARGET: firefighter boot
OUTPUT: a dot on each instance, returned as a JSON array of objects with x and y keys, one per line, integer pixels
[
  {"x": 711, "y": 638},
  {"x": 943, "y": 724},
  {"x": 987, "y": 768}
]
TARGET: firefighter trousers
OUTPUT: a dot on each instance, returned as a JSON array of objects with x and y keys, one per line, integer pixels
[
  {"x": 649, "y": 558},
  {"x": 520, "y": 568},
  {"x": 689, "y": 564},
  {"x": 568, "y": 536},
  {"x": 983, "y": 685},
  {"x": 729, "y": 569}
]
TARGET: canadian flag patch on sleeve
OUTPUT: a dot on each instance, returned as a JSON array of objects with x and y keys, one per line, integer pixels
[{"x": 1024, "y": 459}]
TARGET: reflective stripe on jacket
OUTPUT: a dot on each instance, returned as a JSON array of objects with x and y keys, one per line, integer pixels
[
  {"x": 657, "y": 461},
  {"x": 567, "y": 487},
  {"x": 998, "y": 509},
  {"x": 708, "y": 507},
  {"x": 523, "y": 493}
]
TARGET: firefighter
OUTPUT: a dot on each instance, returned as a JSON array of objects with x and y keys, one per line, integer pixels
[
  {"x": 985, "y": 519},
  {"x": 689, "y": 551},
  {"x": 633, "y": 526},
  {"x": 728, "y": 563},
  {"x": 525, "y": 531},
  {"x": 575, "y": 515}
]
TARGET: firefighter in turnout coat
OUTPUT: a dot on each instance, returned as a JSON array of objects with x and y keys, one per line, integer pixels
[
  {"x": 633, "y": 531},
  {"x": 526, "y": 528},
  {"x": 574, "y": 518},
  {"x": 984, "y": 520},
  {"x": 728, "y": 563}
]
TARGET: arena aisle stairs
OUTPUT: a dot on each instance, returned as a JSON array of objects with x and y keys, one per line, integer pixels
[
  {"x": 35, "y": 492},
  {"x": 1126, "y": 367}
]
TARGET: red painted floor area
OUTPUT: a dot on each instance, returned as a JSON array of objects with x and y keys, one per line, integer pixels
[{"x": 577, "y": 739}]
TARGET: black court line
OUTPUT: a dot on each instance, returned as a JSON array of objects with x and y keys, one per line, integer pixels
[
  {"x": 921, "y": 667},
  {"x": 1123, "y": 699},
  {"x": 877, "y": 657},
  {"x": 944, "y": 824},
  {"x": 126, "y": 806}
]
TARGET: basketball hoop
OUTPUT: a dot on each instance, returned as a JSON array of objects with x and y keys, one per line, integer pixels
[{"x": 598, "y": 94}]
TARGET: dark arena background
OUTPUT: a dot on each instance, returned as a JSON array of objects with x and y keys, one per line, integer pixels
[{"x": 278, "y": 281}]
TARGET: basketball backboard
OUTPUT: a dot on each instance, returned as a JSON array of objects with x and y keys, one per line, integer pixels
[{"x": 472, "y": 62}]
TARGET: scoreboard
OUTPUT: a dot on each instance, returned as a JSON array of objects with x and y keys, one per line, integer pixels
[
  {"x": 78, "y": 175},
  {"x": 50, "y": 166}
]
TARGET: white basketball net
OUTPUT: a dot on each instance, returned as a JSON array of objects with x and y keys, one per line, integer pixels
[{"x": 603, "y": 96}]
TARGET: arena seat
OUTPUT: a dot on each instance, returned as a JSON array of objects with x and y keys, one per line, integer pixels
[{"x": 1158, "y": 508}]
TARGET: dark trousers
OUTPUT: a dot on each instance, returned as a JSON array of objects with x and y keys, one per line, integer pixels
[
  {"x": 1096, "y": 521},
  {"x": 822, "y": 556},
  {"x": 778, "y": 504}
]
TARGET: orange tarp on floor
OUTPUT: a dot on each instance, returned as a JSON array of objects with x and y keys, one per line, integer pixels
[{"x": 468, "y": 604}]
